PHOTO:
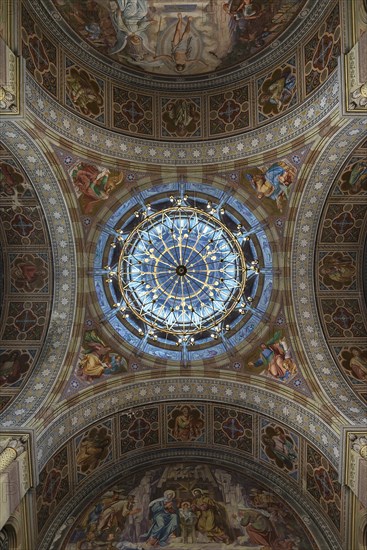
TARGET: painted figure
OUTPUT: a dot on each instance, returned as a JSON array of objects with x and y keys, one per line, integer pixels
[
  {"x": 97, "y": 358},
  {"x": 29, "y": 274},
  {"x": 250, "y": 22},
  {"x": 277, "y": 357},
  {"x": 358, "y": 176},
  {"x": 10, "y": 369},
  {"x": 115, "y": 514},
  {"x": 186, "y": 428},
  {"x": 94, "y": 183},
  {"x": 324, "y": 484},
  {"x": 181, "y": 46},
  {"x": 165, "y": 518},
  {"x": 181, "y": 43},
  {"x": 181, "y": 117},
  {"x": 201, "y": 520},
  {"x": 211, "y": 517},
  {"x": 92, "y": 450},
  {"x": 280, "y": 91},
  {"x": 281, "y": 446},
  {"x": 7, "y": 182},
  {"x": 129, "y": 20},
  {"x": 84, "y": 92},
  {"x": 338, "y": 268},
  {"x": 131, "y": 23},
  {"x": 358, "y": 364},
  {"x": 91, "y": 365},
  {"x": 126, "y": 31},
  {"x": 259, "y": 527},
  {"x": 187, "y": 523},
  {"x": 274, "y": 182}
]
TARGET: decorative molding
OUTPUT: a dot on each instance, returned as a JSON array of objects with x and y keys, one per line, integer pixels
[{"x": 65, "y": 125}]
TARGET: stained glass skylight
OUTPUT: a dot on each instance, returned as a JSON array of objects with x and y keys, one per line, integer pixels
[{"x": 183, "y": 272}]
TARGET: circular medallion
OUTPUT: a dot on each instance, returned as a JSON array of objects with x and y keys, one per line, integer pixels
[{"x": 181, "y": 271}]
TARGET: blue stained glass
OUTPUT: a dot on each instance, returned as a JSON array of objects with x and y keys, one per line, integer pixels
[
  {"x": 182, "y": 271},
  {"x": 159, "y": 278}
]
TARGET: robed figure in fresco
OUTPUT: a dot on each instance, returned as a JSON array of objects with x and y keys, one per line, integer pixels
[
  {"x": 273, "y": 183},
  {"x": 212, "y": 517},
  {"x": 165, "y": 518},
  {"x": 259, "y": 527},
  {"x": 93, "y": 449},
  {"x": 276, "y": 355},
  {"x": 93, "y": 184},
  {"x": 200, "y": 506}
]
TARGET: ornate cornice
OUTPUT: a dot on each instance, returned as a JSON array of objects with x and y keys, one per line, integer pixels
[{"x": 61, "y": 123}]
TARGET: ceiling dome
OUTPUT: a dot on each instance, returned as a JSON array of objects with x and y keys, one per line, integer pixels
[
  {"x": 183, "y": 271},
  {"x": 178, "y": 45},
  {"x": 155, "y": 37}
]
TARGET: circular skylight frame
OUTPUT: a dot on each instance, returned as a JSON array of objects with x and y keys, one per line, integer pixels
[
  {"x": 181, "y": 271},
  {"x": 138, "y": 337}
]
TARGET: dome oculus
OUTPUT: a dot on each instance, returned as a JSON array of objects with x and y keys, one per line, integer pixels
[{"x": 181, "y": 271}]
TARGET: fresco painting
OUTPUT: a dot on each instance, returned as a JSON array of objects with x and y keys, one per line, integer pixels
[
  {"x": 93, "y": 449},
  {"x": 197, "y": 506},
  {"x": 272, "y": 182},
  {"x": 279, "y": 446},
  {"x": 14, "y": 366},
  {"x": 29, "y": 272},
  {"x": 185, "y": 423},
  {"x": 181, "y": 117},
  {"x": 278, "y": 91},
  {"x": 170, "y": 38},
  {"x": 322, "y": 483},
  {"x": 275, "y": 358},
  {"x": 354, "y": 362},
  {"x": 12, "y": 182},
  {"x": 354, "y": 179},
  {"x": 338, "y": 270},
  {"x": 84, "y": 92},
  {"x": 98, "y": 360},
  {"x": 93, "y": 184}
]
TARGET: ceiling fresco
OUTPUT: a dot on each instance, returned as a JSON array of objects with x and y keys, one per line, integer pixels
[
  {"x": 189, "y": 506},
  {"x": 147, "y": 109},
  {"x": 171, "y": 39},
  {"x": 26, "y": 290},
  {"x": 340, "y": 251},
  {"x": 187, "y": 447},
  {"x": 182, "y": 254}
]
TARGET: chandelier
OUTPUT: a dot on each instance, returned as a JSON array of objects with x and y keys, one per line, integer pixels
[
  {"x": 181, "y": 271},
  {"x": 184, "y": 278}
]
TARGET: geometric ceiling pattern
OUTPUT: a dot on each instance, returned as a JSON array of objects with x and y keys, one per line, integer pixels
[{"x": 183, "y": 329}]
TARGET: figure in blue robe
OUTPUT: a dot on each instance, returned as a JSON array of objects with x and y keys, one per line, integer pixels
[{"x": 165, "y": 517}]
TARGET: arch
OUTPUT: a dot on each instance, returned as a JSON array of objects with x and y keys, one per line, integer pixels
[
  {"x": 8, "y": 538},
  {"x": 57, "y": 531}
]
